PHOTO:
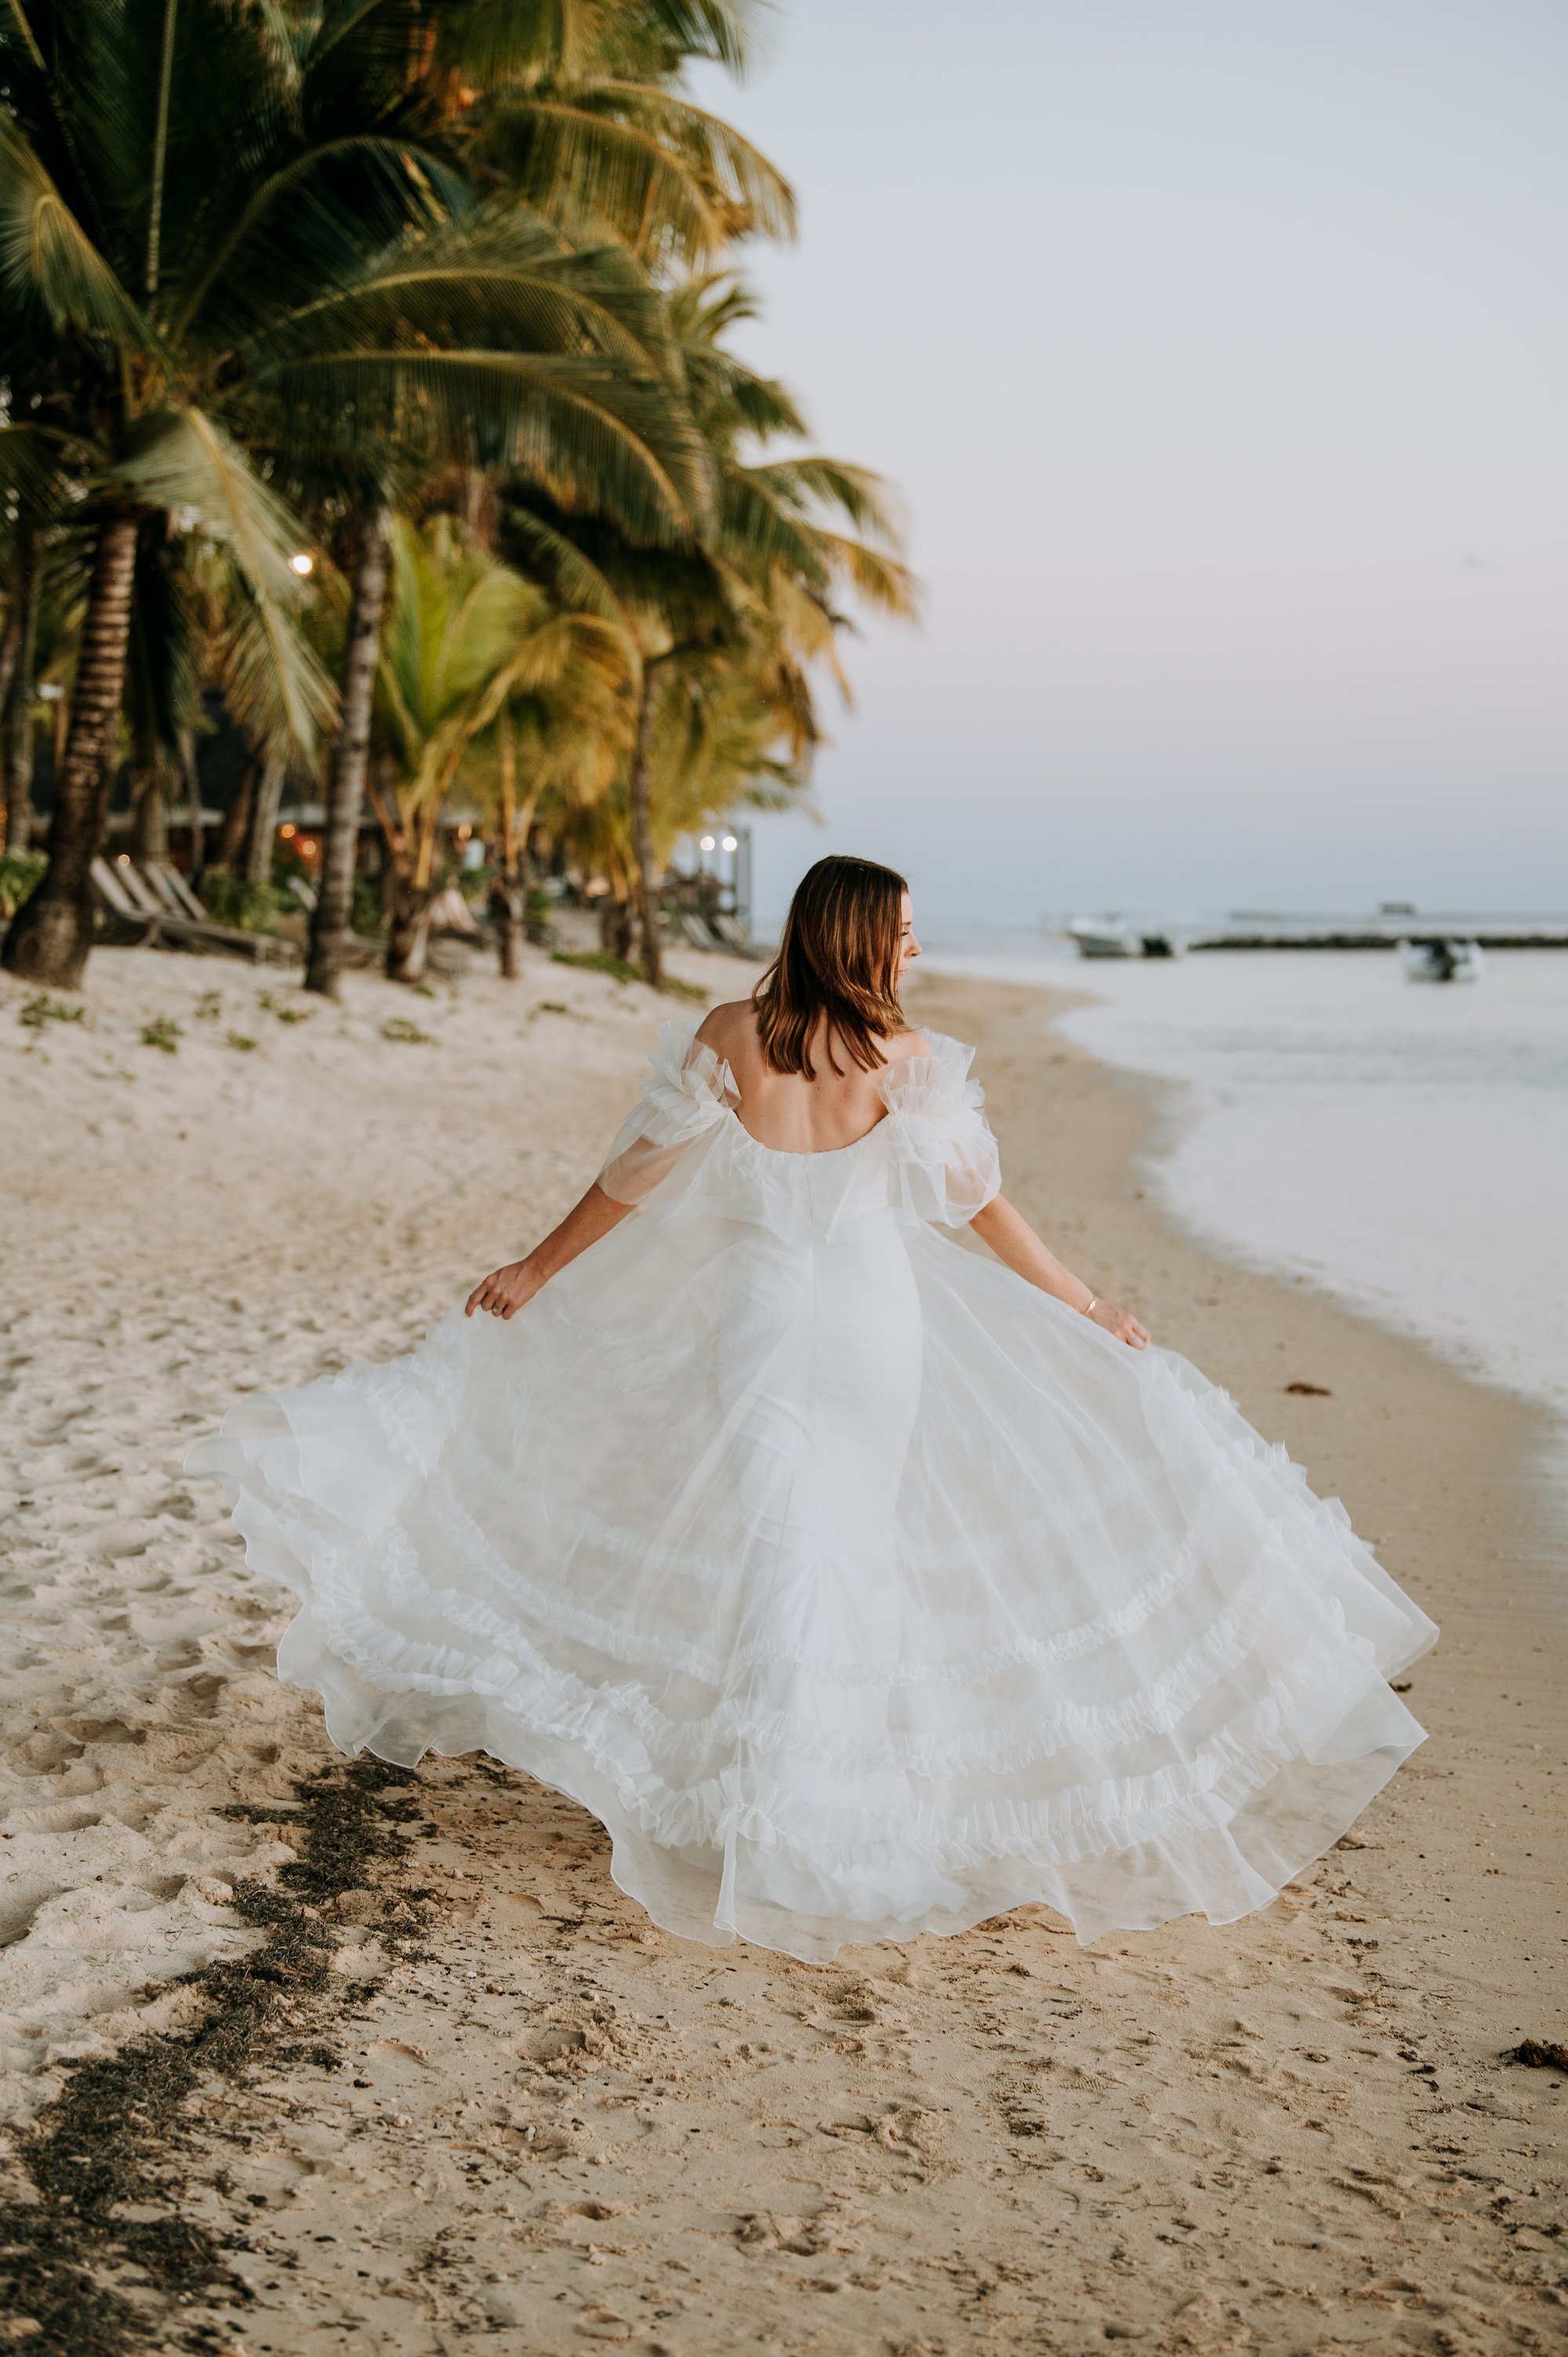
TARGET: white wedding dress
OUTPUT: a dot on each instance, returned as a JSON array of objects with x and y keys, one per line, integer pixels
[{"x": 859, "y": 1588}]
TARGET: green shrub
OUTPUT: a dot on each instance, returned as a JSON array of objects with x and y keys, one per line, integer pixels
[
  {"x": 231, "y": 900},
  {"x": 369, "y": 912},
  {"x": 19, "y": 871},
  {"x": 163, "y": 1032},
  {"x": 400, "y": 1027}
]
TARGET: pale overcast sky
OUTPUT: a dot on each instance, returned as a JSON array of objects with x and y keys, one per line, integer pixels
[{"x": 1218, "y": 351}]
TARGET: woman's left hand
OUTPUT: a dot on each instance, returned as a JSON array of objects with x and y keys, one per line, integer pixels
[
  {"x": 505, "y": 1291},
  {"x": 1121, "y": 1324}
]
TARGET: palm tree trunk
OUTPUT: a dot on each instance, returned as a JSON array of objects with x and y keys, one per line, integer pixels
[
  {"x": 346, "y": 797},
  {"x": 51, "y": 934},
  {"x": 263, "y": 821},
  {"x": 193, "y": 805},
  {"x": 638, "y": 792},
  {"x": 508, "y": 907},
  {"x": 237, "y": 817},
  {"x": 149, "y": 819},
  {"x": 616, "y": 930},
  {"x": 16, "y": 706},
  {"x": 10, "y": 646},
  {"x": 409, "y": 904},
  {"x": 508, "y": 916}
]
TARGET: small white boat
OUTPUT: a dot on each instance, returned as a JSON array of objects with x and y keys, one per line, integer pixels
[
  {"x": 1125, "y": 937},
  {"x": 1105, "y": 937},
  {"x": 1443, "y": 961}
]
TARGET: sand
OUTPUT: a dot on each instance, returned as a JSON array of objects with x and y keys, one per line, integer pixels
[{"x": 399, "y": 2069}]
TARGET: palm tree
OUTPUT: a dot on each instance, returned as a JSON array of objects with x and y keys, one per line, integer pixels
[
  {"x": 575, "y": 108},
  {"x": 759, "y": 597},
  {"x": 233, "y": 245},
  {"x": 467, "y": 642}
]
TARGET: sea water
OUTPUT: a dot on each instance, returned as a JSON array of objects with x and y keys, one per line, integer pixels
[{"x": 1402, "y": 1144}]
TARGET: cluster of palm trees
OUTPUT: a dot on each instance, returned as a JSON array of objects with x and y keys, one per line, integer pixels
[{"x": 369, "y": 363}]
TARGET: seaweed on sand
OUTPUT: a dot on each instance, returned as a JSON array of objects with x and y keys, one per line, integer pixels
[{"x": 82, "y": 2274}]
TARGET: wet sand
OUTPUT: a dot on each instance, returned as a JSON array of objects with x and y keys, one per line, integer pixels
[{"x": 387, "y": 2062}]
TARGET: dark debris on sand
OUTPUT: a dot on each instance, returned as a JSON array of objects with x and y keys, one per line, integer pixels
[
  {"x": 1538, "y": 2054},
  {"x": 80, "y": 2273}
]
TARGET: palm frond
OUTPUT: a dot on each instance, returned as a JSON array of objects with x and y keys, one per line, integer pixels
[
  {"x": 47, "y": 258},
  {"x": 184, "y": 462},
  {"x": 855, "y": 492},
  {"x": 33, "y": 464},
  {"x": 675, "y": 183},
  {"x": 421, "y": 183},
  {"x": 22, "y": 30},
  {"x": 566, "y": 569},
  {"x": 163, "y": 678},
  {"x": 880, "y": 580},
  {"x": 595, "y": 439}
]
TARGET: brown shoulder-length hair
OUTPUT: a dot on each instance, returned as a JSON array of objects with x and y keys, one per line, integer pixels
[{"x": 837, "y": 962}]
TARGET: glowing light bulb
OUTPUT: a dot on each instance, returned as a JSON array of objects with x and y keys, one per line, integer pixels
[
  {"x": 731, "y": 843},
  {"x": 707, "y": 842},
  {"x": 302, "y": 564}
]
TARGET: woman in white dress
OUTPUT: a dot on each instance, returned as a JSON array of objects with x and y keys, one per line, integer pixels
[{"x": 860, "y": 1585}]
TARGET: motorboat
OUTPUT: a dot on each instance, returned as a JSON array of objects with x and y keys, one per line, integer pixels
[
  {"x": 1442, "y": 960},
  {"x": 1124, "y": 937}
]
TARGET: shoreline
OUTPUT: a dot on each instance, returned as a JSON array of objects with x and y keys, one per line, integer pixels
[
  {"x": 517, "y": 2108},
  {"x": 1420, "y": 1204}
]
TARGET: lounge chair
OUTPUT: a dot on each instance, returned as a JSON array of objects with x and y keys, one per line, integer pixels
[
  {"x": 171, "y": 884},
  {"x": 144, "y": 907},
  {"x": 127, "y": 922},
  {"x": 734, "y": 937}
]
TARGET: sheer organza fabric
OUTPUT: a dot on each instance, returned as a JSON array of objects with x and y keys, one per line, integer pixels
[{"x": 859, "y": 1588}]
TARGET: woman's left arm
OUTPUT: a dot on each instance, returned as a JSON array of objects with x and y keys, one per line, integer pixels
[{"x": 1014, "y": 1242}]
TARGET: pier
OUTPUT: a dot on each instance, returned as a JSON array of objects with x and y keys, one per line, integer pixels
[{"x": 1247, "y": 929}]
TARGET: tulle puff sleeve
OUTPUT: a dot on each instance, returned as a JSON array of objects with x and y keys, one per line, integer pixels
[
  {"x": 942, "y": 1158},
  {"x": 683, "y": 1099}
]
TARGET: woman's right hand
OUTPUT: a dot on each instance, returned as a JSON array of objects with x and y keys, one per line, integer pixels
[
  {"x": 505, "y": 1291},
  {"x": 1121, "y": 1324}
]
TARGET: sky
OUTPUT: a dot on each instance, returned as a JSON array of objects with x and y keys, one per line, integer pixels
[{"x": 1219, "y": 353}]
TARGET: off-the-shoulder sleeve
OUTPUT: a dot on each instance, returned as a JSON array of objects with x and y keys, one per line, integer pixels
[
  {"x": 683, "y": 1099},
  {"x": 942, "y": 1158}
]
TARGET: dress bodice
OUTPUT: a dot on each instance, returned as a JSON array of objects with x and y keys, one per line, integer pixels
[{"x": 931, "y": 1156}]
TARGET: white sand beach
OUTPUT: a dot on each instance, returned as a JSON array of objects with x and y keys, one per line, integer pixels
[{"x": 479, "y": 2096}]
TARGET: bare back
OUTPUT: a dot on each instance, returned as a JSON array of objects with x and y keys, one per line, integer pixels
[{"x": 784, "y": 1110}]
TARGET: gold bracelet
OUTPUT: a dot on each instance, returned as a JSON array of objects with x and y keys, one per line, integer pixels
[{"x": 1091, "y": 1305}]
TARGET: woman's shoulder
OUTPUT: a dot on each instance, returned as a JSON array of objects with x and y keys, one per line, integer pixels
[
  {"x": 899, "y": 1047},
  {"x": 727, "y": 1025},
  {"x": 931, "y": 1047}
]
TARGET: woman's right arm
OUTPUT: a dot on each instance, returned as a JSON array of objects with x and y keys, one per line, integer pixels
[{"x": 510, "y": 1288}]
